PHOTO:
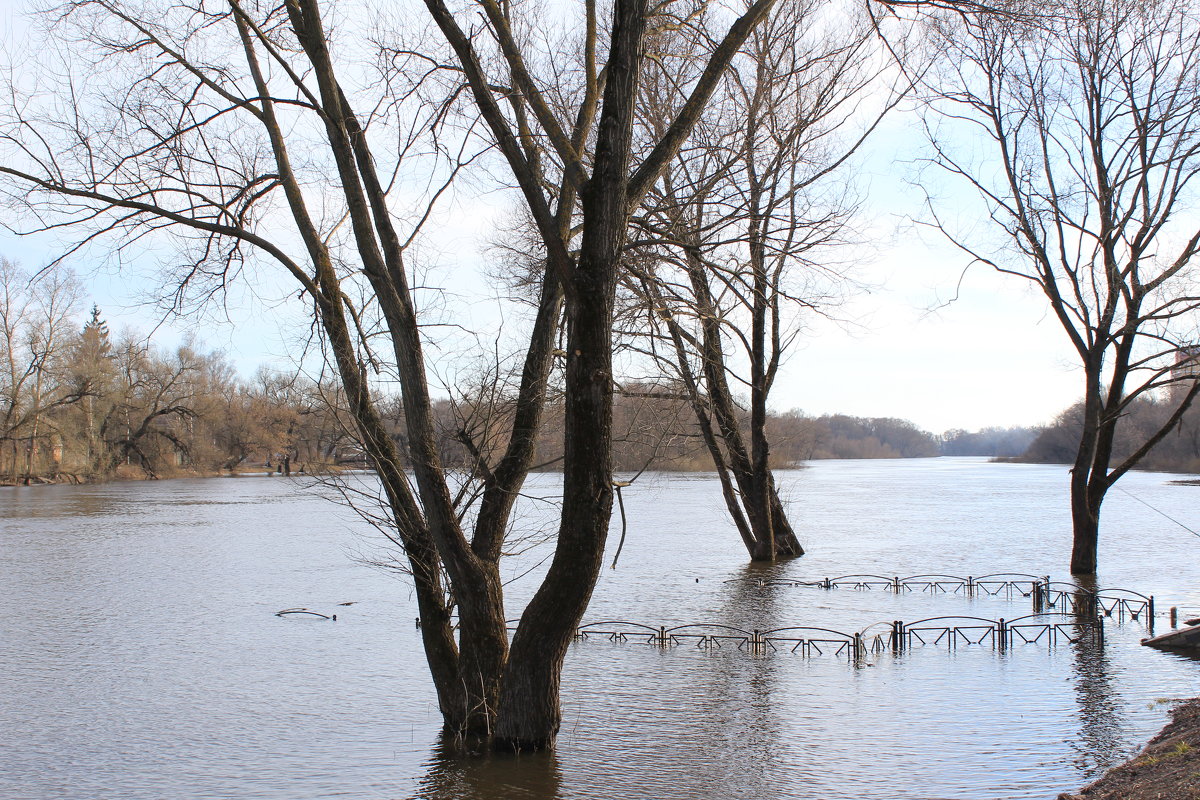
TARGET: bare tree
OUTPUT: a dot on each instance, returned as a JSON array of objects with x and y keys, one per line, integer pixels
[
  {"x": 35, "y": 328},
  {"x": 154, "y": 403},
  {"x": 542, "y": 126},
  {"x": 741, "y": 235},
  {"x": 1079, "y": 130},
  {"x": 229, "y": 129},
  {"x": 15, "y": 318}
]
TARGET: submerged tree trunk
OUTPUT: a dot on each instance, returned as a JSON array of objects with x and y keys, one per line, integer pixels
[
  {"x": 530, "y": 712},
  {"x": 748, "y": 485},
  {"x": 1085, "y": 524},
  {"x": 783, "y": 542}
]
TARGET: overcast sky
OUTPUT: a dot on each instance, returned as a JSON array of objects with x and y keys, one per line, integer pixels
[{"x": 991, "y": 357}]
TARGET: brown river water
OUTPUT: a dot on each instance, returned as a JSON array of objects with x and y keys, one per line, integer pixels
[{"x": 141, "y": 657}]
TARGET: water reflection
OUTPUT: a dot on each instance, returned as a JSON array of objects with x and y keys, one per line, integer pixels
[
  {"x": 27, "y": 503},
  {"x": 1100, "y": 742},
  {"x": 741, "y": 688},
  {"x": 450, "y": 776}
]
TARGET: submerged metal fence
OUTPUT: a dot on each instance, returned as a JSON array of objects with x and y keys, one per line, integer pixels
[
  {"x": 1061, "y": 612},
  {"x": 1045, "y": 594},
  {"x": 895, "y": 636}
]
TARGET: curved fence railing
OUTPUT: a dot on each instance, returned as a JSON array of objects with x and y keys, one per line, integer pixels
[
  {"x": 949, "y": 631},
  {"x": 1045, "y": 594},
  {"x": 1061, "y": 612},
  {"x": 1117, "y": 603}
]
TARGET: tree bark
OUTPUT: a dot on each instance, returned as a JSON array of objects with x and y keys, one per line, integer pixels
[
  {"x": 1085, "y": 524},
  {"x": 530, "y": 713}
]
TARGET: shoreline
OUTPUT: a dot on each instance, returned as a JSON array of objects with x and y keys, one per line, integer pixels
[
  {"x": 72, "y": 479},
  {"x": 1167, "y": 769},
  {"x": 75, "y": 479}
]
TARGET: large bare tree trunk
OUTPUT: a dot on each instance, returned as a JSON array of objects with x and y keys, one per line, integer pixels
[
  {"x": 1085, "y": 525},
  {"x": 529, "y": 704}
]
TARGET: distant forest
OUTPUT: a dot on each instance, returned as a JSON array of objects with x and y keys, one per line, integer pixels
[
  {"x": 1178, "y": 452},
  {"x": 75, "y": 405}
]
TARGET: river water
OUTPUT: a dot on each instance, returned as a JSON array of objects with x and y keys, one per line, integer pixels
[{"x": 141, "y": 657}]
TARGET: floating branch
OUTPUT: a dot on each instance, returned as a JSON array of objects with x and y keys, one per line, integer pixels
[{"x": 287, "y": 611}]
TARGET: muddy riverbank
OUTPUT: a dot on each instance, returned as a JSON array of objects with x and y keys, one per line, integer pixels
[{"x": 1168, "y": 769}]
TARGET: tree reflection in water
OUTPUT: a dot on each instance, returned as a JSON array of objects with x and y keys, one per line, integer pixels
[
  {"x": 1101, "y": 726},
  {"x": 455, "y": 772},
  {"x": 741, "y": 689}
]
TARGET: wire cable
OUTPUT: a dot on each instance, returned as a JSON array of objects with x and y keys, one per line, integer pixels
[{"x": 1165, "y": 514}]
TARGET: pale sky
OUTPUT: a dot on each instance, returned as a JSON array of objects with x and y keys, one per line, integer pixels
[
  {"x": 937, "y": 346},
  {"x": 991, "y": 357}
]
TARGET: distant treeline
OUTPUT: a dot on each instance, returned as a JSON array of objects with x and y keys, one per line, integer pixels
[
  {"x": 1178, "y": 452},
  {"x": 654, "y": 430},
  {"x": 800, "y": 438},
  {"x": 77, "y": 405}
]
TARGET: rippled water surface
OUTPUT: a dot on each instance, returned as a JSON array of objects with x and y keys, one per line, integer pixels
[{"x": 141, "y": 658}]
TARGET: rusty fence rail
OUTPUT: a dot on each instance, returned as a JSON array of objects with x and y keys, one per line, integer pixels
[{"x": 1061, "y": 612}]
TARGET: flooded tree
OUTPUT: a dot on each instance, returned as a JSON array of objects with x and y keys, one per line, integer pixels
[
  {"x": 1079, "y": 131},
  {"x": 585, "y": 134},
  {"x": 741, "y": 235},
  {"x": 242, "y": 135}
]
